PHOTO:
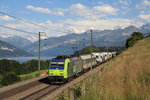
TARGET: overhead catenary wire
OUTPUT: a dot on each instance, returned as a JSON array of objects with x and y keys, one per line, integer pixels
[
  {"x": 5, "y": 34},
  {"x": 30, "y": 22},
  {"x": 2, "y": 33},
  {"x": 18, "y": 30}
]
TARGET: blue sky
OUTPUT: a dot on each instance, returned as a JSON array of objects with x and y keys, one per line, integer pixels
[{"x": 74, "y": 15}]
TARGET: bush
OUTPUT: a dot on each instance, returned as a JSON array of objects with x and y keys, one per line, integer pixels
[
  {"x": 77, "y": 91},
  {"x": 61, "y": 97},
  {"x": 9, "y": 78},
  {"x": 133, "y": 39},
  {"x": 32, "y": 65}
]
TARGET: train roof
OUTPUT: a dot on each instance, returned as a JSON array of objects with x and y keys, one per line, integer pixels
[
  {"x": 57, "y": 60},
  {"x": 87, "y": 56},
  {"x": 63, "y": 57}
]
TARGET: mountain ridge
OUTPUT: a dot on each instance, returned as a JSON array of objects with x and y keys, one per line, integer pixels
[
  {"x": 17, "y": 41},
  {"x": 63, "y": 45}
]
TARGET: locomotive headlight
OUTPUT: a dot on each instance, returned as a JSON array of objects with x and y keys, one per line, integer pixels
[
  {"x": 61, "y": 73},
  {"x": 51, "y": 73}
]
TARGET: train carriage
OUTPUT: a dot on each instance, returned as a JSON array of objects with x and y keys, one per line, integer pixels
[
  {"x": 63, "y": 69},
  {"x": 87, "y": 61},
  {"x": 75, "y": 66}
]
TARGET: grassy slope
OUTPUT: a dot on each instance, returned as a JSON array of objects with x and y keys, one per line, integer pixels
[
  {"x": 126, "y": 77},
  {"x": 30, "y": 75}
]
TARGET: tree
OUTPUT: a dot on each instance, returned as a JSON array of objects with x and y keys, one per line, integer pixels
[
  {"x": 137, "y": 35},
  {"x": 10, "y": 78},
  {"x": 133, "y": 39},
  {"x": 9, "y": 66},
  {"x": 32, "y": 65},
  {"x": 148, "y": 35}
]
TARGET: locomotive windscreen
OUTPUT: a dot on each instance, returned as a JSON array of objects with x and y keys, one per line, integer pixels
[{"x": 57, "y": 65}]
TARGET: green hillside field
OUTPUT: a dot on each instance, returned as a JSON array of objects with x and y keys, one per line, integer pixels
[{"x": 127, "y": 77}]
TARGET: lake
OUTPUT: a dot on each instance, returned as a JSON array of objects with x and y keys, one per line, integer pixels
[{"x": 24, "y": 59}]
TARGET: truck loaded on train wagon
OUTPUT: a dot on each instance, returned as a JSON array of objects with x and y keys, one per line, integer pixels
[
  {"x": 61, "y": 70},
  {"x": 104, "y": 56}
]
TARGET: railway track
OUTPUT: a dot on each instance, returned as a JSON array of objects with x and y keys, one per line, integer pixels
[
  {"x": 18, "y": 90},
  {"x": 35, "y": 90},
  {"x": 39, "y": 94}
]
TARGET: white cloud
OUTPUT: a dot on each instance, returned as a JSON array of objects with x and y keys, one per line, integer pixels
[
  {"x": 83, "y": 25},
  {"x": 44, "y": 10},
  {"x": 22, "y": 25},
  {"x": 78, "y": 26},
  {"x": 91, "y": 12},
  {"x": 144, "y": 12},
  {"x": 58, "y": 13},
  {"x": 102, "y": 10},
  {"x": 146, "y": 3},
  {"x": 39, "y": 9},
  {"x": 12, "y": 33},
  {"x": 145, "y": 17},
  {"x": 79, "y": 10},
  {"x": 106, "y": 9},
  {"x": 55, "y": 29},
  {"x": 143, "y": 5},
  {"x": 6, "y": 18},
  {"x": 123, "y": 2}
]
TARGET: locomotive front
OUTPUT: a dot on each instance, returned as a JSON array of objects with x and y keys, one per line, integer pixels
[{"x": 58, "y": 70}]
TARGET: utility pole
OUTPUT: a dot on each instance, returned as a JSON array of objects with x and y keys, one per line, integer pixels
[
  {"x": 91, "y": 46},
  {"x": 75, "y": 49},
  {"x": 107, "y": 50},
  {"x": 114, "y": 47},
  {"x": 79, "y": 50},
  {"x": 39, "y": 53}
]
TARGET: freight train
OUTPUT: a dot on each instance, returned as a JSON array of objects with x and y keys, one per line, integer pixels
[{"x": 64, "y": 68}]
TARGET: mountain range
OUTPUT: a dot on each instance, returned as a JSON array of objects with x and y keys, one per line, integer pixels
[
  {"x": 17, "y": 41},
  {"x": 8, "y": 50},
  {"x": 65, "y": 45}
]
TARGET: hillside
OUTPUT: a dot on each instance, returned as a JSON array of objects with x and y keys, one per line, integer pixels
[
  {"x": 126, "y": 77},
  {"x": 8, "y": 50}
]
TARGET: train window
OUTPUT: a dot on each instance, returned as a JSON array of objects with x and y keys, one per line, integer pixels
[
  {"x": 60, "y": 65},
  {"x": 57, "y": 64},
  {"x": 53, "y": 65}
]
